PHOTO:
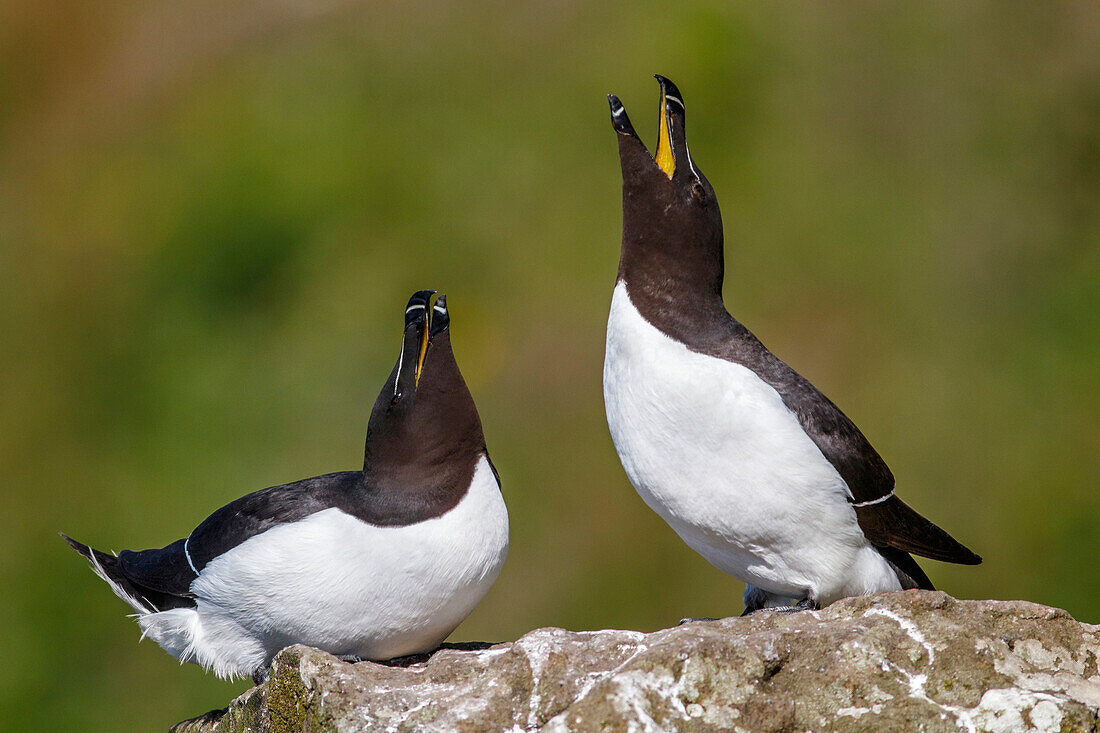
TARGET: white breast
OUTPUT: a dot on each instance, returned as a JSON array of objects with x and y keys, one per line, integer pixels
[
  {"x": 713, "y": 449},
  {"x": 337, "y": 583}
]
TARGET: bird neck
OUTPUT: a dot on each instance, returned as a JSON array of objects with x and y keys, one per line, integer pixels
[
  {"x": 675, "y": 282},
  {"x": 433, "y": 440}
]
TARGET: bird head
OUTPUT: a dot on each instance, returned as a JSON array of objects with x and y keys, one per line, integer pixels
[
  {"x": 671, "y": 219},
  {"x": 424, "y": 413}
]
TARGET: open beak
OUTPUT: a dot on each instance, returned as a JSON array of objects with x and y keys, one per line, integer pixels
[
  {"x": 426, "y": 322},
  {"x": 671, "y": 114}
]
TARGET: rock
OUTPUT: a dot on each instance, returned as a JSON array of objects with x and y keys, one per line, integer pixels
[{"x": 916, "y": 660}]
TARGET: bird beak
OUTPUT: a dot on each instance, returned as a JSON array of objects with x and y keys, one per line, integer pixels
[
  {"x": 423, "y": 353},
  {"x": 417, "y": 326},
  {"x": 669, "y": 141},
  {"x": 665, "y": 158},
  {"x": 619, "y": 119}
]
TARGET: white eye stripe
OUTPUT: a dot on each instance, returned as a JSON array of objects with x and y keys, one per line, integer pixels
[
  {"x": 618, "y": 111},
  {"x": 411, "y": 308},
  {"x": 440, "y": 309},
  {"x": 670, "y": 98}
]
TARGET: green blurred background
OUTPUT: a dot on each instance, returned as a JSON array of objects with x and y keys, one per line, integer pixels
[{"x": 211, "y": 216}]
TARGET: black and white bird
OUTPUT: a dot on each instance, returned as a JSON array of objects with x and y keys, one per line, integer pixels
[
  {"x": 370, "y": 564},
  {"x": 746, "y": 460}
]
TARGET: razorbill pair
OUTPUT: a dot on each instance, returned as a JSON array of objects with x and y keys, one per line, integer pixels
[
  {"x": 370, "y": 564},
  {"x": 748, "y": 462}
]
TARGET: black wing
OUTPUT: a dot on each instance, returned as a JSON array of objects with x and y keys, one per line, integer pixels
[
  {"x": 161, "y": 578},
  {"x": 261, "y": 510},
  {"x": 885, "y": 519}
]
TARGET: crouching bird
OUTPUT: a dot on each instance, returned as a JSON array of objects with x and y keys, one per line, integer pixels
[
  {"x": 370, "y": 564},
  {"x": 748, "y": 462}
]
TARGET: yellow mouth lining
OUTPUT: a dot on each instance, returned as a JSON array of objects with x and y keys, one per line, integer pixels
[
  {"x": 664, "y": 158},
  {"x": 423, "y": 350}
]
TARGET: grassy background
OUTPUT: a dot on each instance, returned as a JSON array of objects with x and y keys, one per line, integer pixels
[{"x": 211, "y": 216}]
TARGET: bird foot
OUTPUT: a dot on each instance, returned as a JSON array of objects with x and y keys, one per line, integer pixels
[
  {"x": 410, "y": 659},
  {"x": 350, "y": 658},
  {"x": 405, "y": 661},
  {"x": 693, "y": 619},
  {"x": 804, "y": 605},
  {"x": 261, "y": 675}
]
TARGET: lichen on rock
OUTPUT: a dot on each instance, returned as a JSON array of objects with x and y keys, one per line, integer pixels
[{"x": 916, "y": 660}]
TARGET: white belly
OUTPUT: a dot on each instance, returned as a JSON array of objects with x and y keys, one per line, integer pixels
[
  {"x": 712, "y": 448},
  {"x": 350, "y": 588}
]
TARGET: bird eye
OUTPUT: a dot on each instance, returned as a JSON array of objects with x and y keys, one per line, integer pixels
[{"x": 697, "y": 191}]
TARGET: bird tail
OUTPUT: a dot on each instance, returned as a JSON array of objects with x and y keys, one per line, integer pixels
[
  {"x": 176, "y": 629},
  {"x": 893, "y": 523},
  {"x": 106, "y": 567}
]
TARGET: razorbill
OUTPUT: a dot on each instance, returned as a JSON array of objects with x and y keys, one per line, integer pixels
[
  {"x": 370, "y": 564},
  {"x": 748, "y": 462}
]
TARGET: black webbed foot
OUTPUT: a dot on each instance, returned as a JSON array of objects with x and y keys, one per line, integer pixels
[
  {"x": 805, "y": 604},
  {"x": 408, "y": 660},
  {"x": 350, "y": 658},
  {"x": 693, "y": 619}
]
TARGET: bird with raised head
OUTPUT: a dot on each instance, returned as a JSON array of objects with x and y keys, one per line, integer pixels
[
  {"x": 754, "y": 468},
  {"x": 371, "y": 564}
]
